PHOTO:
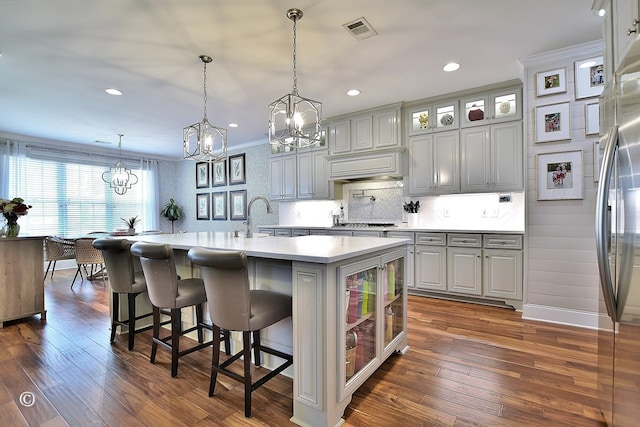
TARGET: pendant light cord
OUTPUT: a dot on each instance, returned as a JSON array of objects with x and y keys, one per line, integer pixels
[
  {"x": 295, "y": 75},
  {"x": 205, "y": 90}
]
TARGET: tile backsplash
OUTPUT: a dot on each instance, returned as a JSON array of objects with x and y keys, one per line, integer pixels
[{"x": 382, "y": 201}]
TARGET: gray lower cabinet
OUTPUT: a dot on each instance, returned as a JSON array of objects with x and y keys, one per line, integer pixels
[
  {"x": 431, "y": 268},
  {"x": 464, "y": 270},
  {"x": 476, "y": 265},
  {"x": 502, "y": 266}
]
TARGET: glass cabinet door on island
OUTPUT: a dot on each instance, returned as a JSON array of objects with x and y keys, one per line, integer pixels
[{"x": 374, "y": 310}]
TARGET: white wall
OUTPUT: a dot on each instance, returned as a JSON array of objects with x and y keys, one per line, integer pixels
[{"x": 561, "y": 273}]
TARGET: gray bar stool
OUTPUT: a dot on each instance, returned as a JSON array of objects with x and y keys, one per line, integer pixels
[
  {"x": 169, "y": 293},
  {"x": 123, "y": 279},
  {"x": 235, "y": 307}
]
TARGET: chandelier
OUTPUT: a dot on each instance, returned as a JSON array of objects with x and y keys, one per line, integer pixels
[
  {"x": 295, "y": 121},
  {"x": 119, "y": 177},
  {"x": 203, "y": 141}
]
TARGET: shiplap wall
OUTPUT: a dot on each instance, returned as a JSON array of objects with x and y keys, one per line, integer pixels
[{"x": 561, "y": 273}]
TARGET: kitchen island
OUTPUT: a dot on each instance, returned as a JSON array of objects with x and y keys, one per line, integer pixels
[{"x": 325, "y": 275}]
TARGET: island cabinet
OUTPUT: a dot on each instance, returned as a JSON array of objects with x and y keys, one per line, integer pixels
[
  {"x": 317, "y": 271},
  {"x": 372, "y": 318},
  {"x": 21, "y": 278},
  {"x": 433, "y": 164},
  {"x": 491, "y": 158}
]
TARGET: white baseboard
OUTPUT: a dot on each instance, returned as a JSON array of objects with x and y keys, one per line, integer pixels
[{"x": 561, "y": 316}]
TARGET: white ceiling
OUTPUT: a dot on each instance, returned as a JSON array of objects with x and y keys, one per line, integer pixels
[{"x": 59, "y": 56}]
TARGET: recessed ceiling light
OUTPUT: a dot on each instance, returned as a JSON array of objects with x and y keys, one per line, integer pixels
[
  {"x": 353, "y": 92},
  {"x": 233, "y": 125},
  {"x": 451, "y": 66},
  {"x": 113, "y": 91}
]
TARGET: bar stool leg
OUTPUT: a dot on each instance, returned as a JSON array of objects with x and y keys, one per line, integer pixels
[
  {"x": 176, "y": 328},
  {"x": 156, "y": 334},
  {"x": 132, "y": 319},
  {"x": 246, "y": 338},
  {"x": 215, "y": 360},
  {"x": 256, "y": 347},
  {"x": 114, "y": 315}
]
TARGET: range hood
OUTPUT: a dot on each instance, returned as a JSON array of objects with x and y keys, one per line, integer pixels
[{"x": 387, "y": 164}]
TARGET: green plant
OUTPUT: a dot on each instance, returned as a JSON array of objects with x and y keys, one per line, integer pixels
[
  {"x": 172, "y": 211},
  {"x": 131, "y": 222}
]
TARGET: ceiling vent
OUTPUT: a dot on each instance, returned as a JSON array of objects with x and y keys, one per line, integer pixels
[{"x": 360, "y": 29}]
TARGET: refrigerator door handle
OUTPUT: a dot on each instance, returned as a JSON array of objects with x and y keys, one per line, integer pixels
[{"x": 602, "y": 226}]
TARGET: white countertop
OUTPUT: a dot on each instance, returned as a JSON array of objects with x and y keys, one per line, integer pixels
[
  {"x": 401, "y": 227},
  {"x": 318, "y": 249}
]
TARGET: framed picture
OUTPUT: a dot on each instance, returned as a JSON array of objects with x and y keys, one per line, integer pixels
[
  {"x": 202, "y": 175},
  {"x": 238, "y": 204},
  {"x": 597, "y": 161},
  {"x": 202, "y": 206},
  {"x": 219, "y": 205},
  {"x": 592, "y": 119},
  {"x": 552, "y": 82},
  {"x": 560, "y": 175},
  {"x": 553, "y": 122},
  {"x": 219, "y": 173},
  {"x": 237, "y": 169},
  {"x": 589, "y": 77}
]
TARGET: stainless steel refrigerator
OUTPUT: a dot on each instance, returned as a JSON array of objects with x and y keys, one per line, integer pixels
[{"x": 618, "y": 246}]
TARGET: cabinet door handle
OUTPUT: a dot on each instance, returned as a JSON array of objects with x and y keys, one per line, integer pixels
[{"x": 631, "y": 31}]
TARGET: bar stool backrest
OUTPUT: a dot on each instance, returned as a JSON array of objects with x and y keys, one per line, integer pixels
[
  {"x": 119, "y": 263},
  {"x": 159, "y": 267}
]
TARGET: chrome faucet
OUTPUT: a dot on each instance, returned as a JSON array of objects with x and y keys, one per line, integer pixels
[{"x": 269, "y": 210}]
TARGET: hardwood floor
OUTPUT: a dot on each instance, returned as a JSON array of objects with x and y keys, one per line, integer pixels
[{"x": 468, "y": 365}]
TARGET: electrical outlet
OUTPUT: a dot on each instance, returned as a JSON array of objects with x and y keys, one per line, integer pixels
[
  {"x": 494, "y": 213},
  {"x": 484, "y": 213},
  {"x": 445, "y": 212}
]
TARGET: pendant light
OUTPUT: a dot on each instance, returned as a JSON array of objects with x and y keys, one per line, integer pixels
[
  {"x": 121, "y": 178},
  {"x": 203, "y": 141},
  {"x": 295, "y": 121}
]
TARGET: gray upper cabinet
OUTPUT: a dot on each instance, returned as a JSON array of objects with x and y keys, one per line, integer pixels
[
  {"x": 313, "y": 178},
  {"x": 433, "y": 164},
  {"x": 491, "y": 158},
  {"x": 432, "y": 117},
  {"x": 365, "y": 131},
  {"x": 283, "y": 177},
  {"x": 491, "y": 107}
]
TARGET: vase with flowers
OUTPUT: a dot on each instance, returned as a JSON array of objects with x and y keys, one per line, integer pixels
[{"x": 11, "y": 211}]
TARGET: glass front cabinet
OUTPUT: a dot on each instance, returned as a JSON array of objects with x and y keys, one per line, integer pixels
[{"x": 374, "y": 316}]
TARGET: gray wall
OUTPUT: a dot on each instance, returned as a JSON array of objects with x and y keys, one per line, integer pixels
[
  {"x": 561, "y": 269},
  {"x": 178, "y": 180}
]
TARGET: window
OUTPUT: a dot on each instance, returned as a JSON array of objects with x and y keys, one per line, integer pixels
[{"x": 69, "y": 197}]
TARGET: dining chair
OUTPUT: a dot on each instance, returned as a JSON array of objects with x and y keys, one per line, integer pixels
[
  {"x": 87, "y": 255},
  {"x": 57, "y": 249},
  {"x": 123, "y": 280},
  {"x": 234, "y": 306}
]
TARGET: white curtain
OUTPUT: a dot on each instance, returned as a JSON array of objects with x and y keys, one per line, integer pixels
[{"x": 150, "y": 212}]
